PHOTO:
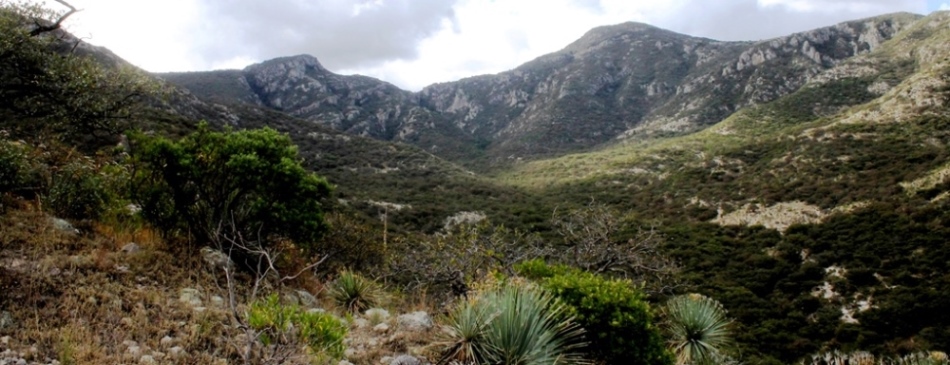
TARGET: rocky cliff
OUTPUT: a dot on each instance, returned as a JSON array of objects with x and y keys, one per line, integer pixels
[{"x": 617, "y": 82}]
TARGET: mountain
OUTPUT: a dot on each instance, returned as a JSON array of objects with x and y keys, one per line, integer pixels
[
  {"x": 617, "y": 82},
  {"x": 802, "y": 181}
]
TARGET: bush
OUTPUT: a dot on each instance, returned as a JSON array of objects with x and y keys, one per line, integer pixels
[
  {"x": 619, "y": 323},
  {"x": 77, "y": 191},
  {"x": 513, "y": 324},
  {"x": 355, "y": 293},
  {"x": 290, "y": 326},
  {"x": 12, "y": 166},
  {"x": 244, "y": 184}
]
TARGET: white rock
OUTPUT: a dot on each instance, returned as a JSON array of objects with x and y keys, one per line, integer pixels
[
  {"x": 215, "y": 258},
  {"x": 190, "y": 296},
  {"x": 166, "y": 341},
  {"x": 377, "y": 314},
  {"x": 131, "y": 248},
  {"x": 62, "y": 225},
  {"x": 306, "y": 299},
  {"x": 147, "y": 360},
  {"x": 217, "y": 301},
  {"x": 405, "y": 360},
  {"x": 176, "y": 352},
  {"x": 381, "y": 328},
  {"x": 415, "y": 321}
]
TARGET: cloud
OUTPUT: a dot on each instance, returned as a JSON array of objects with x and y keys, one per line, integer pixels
[
  {"x": 413, "y": 43},
  {"x": 343, "y": 34},
  {"x": 735, "y": 20}
]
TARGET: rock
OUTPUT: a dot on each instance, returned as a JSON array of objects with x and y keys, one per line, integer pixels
[
  {"x": 405, "y": 360},
  {"x": 216, "y": 259},
  {"x": 147, "y": 360},
  {"x": 133, "y": 209},
  {"x": 6, "y": 320},
  {"x": 306, "y": 299},
  {"x": 381, "y": 328},
  {"x": 376, "y": 315},
  {"x": 344, "y": 362},
  {"x": 176, "y": 352},
  {"x": 134, "y": 351},
  {"x": 190, "y": 296},
  {"x": 217, "y": 301},
  {"x": 5, "y": 340},
  {"x": 415, "y": 321},
  {"x": 131, "y": 248},
  {"x": 385, "y": 360},
  {"x": 316, "y": 310},
  {"x": 166, "y": 341},
  {"x": 360, "y": 323},
  {"x": 62, "y": 225}
]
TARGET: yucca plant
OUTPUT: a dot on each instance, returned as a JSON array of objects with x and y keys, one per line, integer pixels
[
  {"x": 466, "y": 327},
  {"x": 698, "y": 329},
  {"x": 355, "y": 293},
  {"x": 517, "y": 324}
]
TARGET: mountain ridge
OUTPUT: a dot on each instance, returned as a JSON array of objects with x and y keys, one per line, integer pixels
[{"x": 605, "y": 86}]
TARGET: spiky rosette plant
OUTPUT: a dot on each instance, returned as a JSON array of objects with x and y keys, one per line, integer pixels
[
  {"x": 355, "y": 293},
  {"x": 517, "y": 324},
  {"x": 698, "y": 328}
]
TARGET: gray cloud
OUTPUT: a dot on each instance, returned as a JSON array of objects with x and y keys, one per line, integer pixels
[
  {"x": 747, "y": 20},
  {"x": 343, "y": 34}
]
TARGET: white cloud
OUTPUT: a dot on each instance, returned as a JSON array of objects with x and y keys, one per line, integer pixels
[{"x": 413, "y": 43}]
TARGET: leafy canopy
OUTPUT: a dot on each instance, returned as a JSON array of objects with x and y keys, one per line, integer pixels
[
  {"x": 618, "y": 320},
  {"x": 243, "y": 185}
]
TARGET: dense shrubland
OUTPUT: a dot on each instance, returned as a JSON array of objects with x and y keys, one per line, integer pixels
[{"x": 583, "y": 282}]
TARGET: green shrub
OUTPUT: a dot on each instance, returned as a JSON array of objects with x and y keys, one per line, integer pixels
[
  {"x": 12, "y": 166},
  {"x": 289, "y": 325},
  {"x": 618, "y": 321},
  {"x": 355, "y": 293},
  {"x": 77, "y": 191},
  {"x": 513, "y": 324},
  {"x": 247, "y": 184}
]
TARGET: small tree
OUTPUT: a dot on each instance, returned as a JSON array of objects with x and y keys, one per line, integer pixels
[{"x": 244, "y": 185}]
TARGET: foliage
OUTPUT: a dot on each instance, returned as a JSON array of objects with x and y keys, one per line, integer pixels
[
  {"x": 211, "y": 183},
  {"x": 592, "y": 243},
  {"x": 354, "y": 292},
  {"x": 513, "y": 324},
  {"x": 615, "y": 315},
  {"x": 49, "y": 86},
  {"x": 279, "y": 324},
  {"x": 13, "y": 165},
  {"x": 462, "y": 255},
  {"x": 77, "y": 191},
  {"x": 699, "y": 330}
]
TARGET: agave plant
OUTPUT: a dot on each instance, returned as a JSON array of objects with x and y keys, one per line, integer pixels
[
  {"x": 354, "y": 293},
  {"x": 699, "y": 329},
  {"x": 513, "y": 325}
]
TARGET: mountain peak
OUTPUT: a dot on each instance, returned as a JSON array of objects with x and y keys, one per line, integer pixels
[{"x": 300, "y": 62}]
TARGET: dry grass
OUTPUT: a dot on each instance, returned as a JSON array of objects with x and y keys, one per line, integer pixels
[{"x": 77, "y": 298}]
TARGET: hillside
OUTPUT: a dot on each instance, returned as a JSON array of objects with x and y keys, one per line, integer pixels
[
  {"x": 819, "y": 218},
  {"x": 802, "y": 182},
  {"x": 623, "y": 81}
]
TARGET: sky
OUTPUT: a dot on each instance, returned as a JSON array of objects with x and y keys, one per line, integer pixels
[{"x": 414, "y": 43}]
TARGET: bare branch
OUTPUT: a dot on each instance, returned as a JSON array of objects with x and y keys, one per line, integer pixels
[{"x": 43, "y": 28}]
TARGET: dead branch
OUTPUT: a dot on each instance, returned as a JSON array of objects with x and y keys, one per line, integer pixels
[{"x": 43, "y": 28}]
